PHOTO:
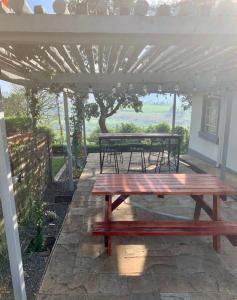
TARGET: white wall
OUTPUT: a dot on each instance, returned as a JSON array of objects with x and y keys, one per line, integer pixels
[
  {"x": 197, "y": 143},
  {"x": 232, "y": 150},
  {"x": 207, "y": 149}
]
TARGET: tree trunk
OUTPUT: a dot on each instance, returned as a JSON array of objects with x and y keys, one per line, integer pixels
[{"x": 102, "y": 124}]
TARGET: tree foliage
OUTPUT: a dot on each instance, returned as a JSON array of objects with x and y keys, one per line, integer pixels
[
  {"x": 108, "y": 105},
  {"x": 186, "y": 102},
  {"x": 15, "y": 104}
]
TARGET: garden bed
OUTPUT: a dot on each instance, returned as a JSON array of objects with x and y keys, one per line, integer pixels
[{"x": 35, "y": 263}]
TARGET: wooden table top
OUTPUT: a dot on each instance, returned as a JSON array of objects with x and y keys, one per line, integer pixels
[
  {"x": 161, "y": 184},
  {"x": 137, "y": 135}
]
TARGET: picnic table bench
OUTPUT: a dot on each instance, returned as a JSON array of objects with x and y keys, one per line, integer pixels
[{"x": 194, "y": 185}]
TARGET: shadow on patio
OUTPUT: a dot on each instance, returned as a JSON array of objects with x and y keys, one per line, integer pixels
[{"x": 166, "y": 268}]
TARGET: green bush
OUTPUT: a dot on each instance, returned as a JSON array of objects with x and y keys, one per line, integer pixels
[
  {"x": 159, "y": 128},
  {"x": 93, "y": 137},
  {"x": 185, "y": 138},
  {"x": 16, "y": 125},
  {"x": 128, "y": 128},
  {"x": 47, "y": 131},
  {"x": 59, "y": 149}
]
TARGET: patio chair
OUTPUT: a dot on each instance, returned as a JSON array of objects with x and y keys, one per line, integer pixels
[
  {"x": 157, "y": 150},
  {"x": 173, "y": 153},
  {"x": 110, "y": 155},
  {"x": 137, "y": 149}
]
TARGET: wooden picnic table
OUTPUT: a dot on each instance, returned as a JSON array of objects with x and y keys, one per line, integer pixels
[
  {"x": 105, "y": 137},
  {"x": 197, "y": 186}
]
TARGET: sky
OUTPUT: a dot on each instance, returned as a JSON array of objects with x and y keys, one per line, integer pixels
[{"x": 48, "y": 3}]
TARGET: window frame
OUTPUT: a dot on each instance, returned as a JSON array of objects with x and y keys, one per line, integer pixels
[{"x": 211, "y": 137}]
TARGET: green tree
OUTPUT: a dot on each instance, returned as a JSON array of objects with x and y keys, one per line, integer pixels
[
  {"x": 108, "y": 105},
  {"x": 15, "y": 104},
  {"x": 186, "y": 102}
]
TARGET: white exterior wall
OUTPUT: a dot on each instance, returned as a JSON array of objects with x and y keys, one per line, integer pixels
[
  {"x": 204, "y": 148},
  {"x": 197, "y": 143},
  {"x": 232, "y": 151}
]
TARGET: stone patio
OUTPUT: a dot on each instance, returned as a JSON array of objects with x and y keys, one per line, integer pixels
[{"x": 162, "y": 268}]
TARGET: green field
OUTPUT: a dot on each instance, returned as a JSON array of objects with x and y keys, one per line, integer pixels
[{"x": 151, "y": 114}]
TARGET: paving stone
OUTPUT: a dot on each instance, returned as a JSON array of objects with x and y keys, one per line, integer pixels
[
  {"x": 180, "y": 268},
  {"x": 175, "y": 296},
  {"x": 145, "y": 296},
  {"x": 213, "y": 296},
  {"x": 107, "y": 297},
  {"x": 84, "y": 283},
  {"x": 144, "y": 283},
  {"x": 61, "y": 297},
  {"x": 113, "y": 284}
]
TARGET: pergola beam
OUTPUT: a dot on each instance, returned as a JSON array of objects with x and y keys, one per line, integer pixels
[
  {"x": 105, "y": 82},
  {"x": 131, "y": 30}
]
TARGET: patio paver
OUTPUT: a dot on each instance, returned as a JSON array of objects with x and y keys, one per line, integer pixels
[{"x": 164, "y": 268}]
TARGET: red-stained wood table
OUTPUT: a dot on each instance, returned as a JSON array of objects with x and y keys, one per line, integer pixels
[{"x": 197, "y": 186}]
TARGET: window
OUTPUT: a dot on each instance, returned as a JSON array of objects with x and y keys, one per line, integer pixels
[{"x": 210, "y": 118}]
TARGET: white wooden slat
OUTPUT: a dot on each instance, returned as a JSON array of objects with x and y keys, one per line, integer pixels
[
  {"x": 66, "y": 57},
  {"x": 9, "y": 214},
  {"x": 77, "y": 59}
]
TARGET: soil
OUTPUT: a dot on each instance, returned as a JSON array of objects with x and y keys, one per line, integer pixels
[{"x": 35, "y": 263}]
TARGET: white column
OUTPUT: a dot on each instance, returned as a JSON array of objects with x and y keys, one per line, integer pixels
[
  {"x": 84, "y": 129},
  {"x": 9, "y": 214},
  {"x": 68, "y": 138},
  {"x": 174, "y": 113},
  {"x": 229, "y": 101}
]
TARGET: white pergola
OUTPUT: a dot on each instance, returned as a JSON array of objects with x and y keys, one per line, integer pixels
[{"x": 185, "y": 54}]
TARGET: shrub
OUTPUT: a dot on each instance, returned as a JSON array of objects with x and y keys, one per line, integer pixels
[
  {"x": 128, "y": 128},
  {"x": 47, "y": 131},
  {"x": 59, "y": 149},
  {"x": 93, "y": 137},
  {"x": 18, "y": 125},
  {"x": 185, "y": 138},
  {"x": 159, "y": 128}
]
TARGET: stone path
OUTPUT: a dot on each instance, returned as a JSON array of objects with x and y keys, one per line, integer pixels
[{"x": 163, "y": 268}]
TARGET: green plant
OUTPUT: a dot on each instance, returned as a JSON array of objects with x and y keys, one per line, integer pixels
[
  {"x": 18, "y": 125},
  {"x": 38, "y": 217},
  {"x": 128, "y": 128},
  {"x": 185, "y": 138},
  {"x": 51, "y": 216},
  {"x": 159, "y": 128}
]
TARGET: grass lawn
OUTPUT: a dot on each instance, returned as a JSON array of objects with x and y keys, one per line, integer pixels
[{"x": 57, "y": 164}]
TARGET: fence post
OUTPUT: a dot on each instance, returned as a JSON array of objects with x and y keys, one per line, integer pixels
[
  {"x": 9, "y": 213},
  {"x": 69, "y": 148}
]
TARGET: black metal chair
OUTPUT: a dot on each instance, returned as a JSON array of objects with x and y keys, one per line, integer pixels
[
  {"x": 173, "y": 154},
  {"x": 137, "y": 149},
  {"x": 110, "y": 155},
  {"x": 157, "y": 150}
]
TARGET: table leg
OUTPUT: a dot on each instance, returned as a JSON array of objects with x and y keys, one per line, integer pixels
[
  {"x": 178, "y": 155},
  {"x": 216, "y": 217},
  {"x": 108, "y": 217},
  {"x": 101, "y": 166}
]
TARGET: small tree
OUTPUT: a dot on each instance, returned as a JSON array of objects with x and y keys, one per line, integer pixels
[
  {"x": 15, "y": 104},
  {"x": 108, "y": 105},
  {"x": 186, "y": 102}
]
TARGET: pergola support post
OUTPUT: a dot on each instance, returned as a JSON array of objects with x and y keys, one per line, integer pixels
[
  {"x": 84, "y": 130},
  {"x": 229, "y": 101},
  {"x": 68, "y": 139},
  {"x": 9, "y": 214},
  {"x": 174, "y": 112}
]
